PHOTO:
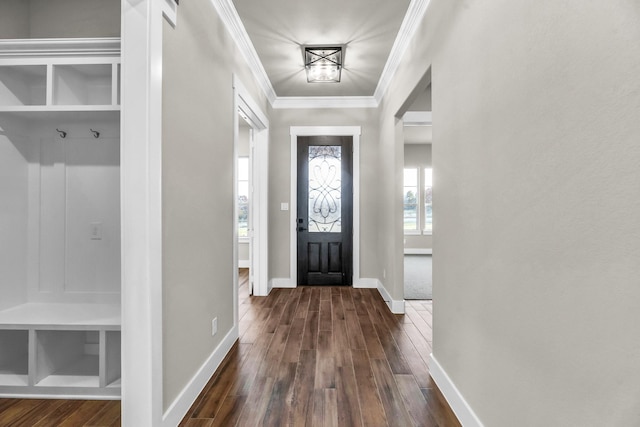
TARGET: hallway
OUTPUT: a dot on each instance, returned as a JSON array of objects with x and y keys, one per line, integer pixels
[{"x": 324, "y": 356}]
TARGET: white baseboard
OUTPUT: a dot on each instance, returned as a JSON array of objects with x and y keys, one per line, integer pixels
[
  {"x": 281, "y": 282},
  {"x": 188, "y": 395},
  {"x": 243, "y": 263},
  {"x": 456, "y": 401},
  {"x": 364, "y": 282},
  {"x": 396, "y": 306},
  {"x": 418, "y": 251}
]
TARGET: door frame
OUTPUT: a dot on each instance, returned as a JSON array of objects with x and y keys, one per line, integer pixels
[
  {"x": 259, "y": 182},
  {"x": 294, "y": 132}
]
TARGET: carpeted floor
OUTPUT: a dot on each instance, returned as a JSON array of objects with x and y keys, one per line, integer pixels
[{"x": 417, "y": 277}]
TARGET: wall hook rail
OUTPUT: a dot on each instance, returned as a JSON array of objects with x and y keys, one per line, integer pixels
[
  {"x": 96, "y": 134},
  {"x": 62, "y": 133}
]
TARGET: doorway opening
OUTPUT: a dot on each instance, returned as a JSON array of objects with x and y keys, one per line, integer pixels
[{"x": 250, "y": 222}]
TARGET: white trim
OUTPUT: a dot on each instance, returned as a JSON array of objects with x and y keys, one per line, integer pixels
[
  {"x": 396, "y": 306},
  {"x": 281, "y": 282},
  {"x": 366, "y": 283},
  {"x": 297, "y": 102},
  {"x": 243, "y": 263},
  {"x": 354, "y": 132},
  {"x": 190, "y": 392},
  {"x": 456, "y": 401},
  {"x": 141, "y": 211},
  {"x": 417, "y": 118},
  {"x": 170, "y": 12},
  {"x": 410, "y": 23},
  {"x": 229, "y": 16},
  {"x": 259, "y": 176},
  {"x": 418, "y": 251},
  {"x": 47, "y": 48}
]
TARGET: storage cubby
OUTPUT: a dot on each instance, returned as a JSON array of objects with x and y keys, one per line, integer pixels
[
  {"x": 60, "y": 225},
  {"x": 82, "y": 84},
  {"x": 67, "y": 359},
  {"x": 22, "y": 85},
  {"x": 112, "y": 359},
  {"x": 14, "y": 361}
]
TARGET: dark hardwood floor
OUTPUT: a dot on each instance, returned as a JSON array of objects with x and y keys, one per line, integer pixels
[
  {"x": 310, "y": 356},
  {"x": 324, "y": 356}
]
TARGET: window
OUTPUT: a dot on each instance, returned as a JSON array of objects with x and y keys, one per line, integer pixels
[
  {"x": 243, "y": 197},
  {"x": 411, "y": 200},
  {"x": 428, "y": 196}
]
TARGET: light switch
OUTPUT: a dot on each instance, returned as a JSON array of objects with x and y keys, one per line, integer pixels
[
  {"x": 284, "y": 206},
  {"x": 96, "y": 231}
]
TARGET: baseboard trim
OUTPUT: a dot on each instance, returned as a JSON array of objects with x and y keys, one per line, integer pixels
[
  {"x": 418, "y": 251},
  {"x": 365, "y": 283},
  {"x": 281, "y": 282},
  {"x": 396, "y": 306},
  {"x": 456, "y": 401},
  {"x": 178, "y": 409},
  {"x": 243, "y": 263}
]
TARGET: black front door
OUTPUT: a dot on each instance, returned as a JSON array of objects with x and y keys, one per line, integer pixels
[{"x": 324, "y": 223}]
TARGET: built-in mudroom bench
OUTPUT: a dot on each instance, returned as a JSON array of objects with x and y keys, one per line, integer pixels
[{"x": 60, "y": 218}]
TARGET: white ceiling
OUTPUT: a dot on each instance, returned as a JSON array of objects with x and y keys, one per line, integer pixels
[{"x": 279, "y": 28}]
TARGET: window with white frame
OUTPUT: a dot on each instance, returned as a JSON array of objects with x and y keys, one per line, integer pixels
[
  {"x": 243, "y": 197},
  {"x": 410, "y": 201},
  {"x": 428, "y": 198}
]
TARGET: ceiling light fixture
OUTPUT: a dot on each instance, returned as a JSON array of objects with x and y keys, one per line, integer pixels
[{"x": 323, "y": 63}]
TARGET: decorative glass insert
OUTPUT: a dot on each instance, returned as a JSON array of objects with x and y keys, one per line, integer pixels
[{"x": 325, "y": 189}]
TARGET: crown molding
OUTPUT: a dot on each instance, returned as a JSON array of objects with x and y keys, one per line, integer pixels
[
  {"x": 60, "y": 47},
  {"x": 412, "y": 19},
  {"x": 229, "y": 15},
  {"x": 231, "y": 19},
  {"x": 324, "y": 102},
  {"x": 170, "y": 12}
]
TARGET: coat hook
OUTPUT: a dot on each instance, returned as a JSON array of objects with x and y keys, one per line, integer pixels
[
  {"x": 96, "y": 134},
  {"x": 62, "y": 133}
]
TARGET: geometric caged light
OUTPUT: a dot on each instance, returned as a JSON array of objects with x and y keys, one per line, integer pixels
[{"x": 323, "y": 63}]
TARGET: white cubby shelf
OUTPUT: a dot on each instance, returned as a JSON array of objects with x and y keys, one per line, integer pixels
[
  {"x": 60, "y": 75},
  {"x": 70, "y": 350}
]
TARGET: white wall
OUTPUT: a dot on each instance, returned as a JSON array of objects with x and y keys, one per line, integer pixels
[
  {"x": 280, "y": 181},
  {"x": 536, "y": 156},
  {"x": 14, "y": 182},
  {"x": 199, "y": 60},
  {"x": 59, "y": 18}
]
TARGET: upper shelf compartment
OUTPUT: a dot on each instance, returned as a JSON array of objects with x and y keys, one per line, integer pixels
[{"x": 59, "y": 75}]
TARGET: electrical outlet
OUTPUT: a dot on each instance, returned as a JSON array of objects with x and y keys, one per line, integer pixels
[{"x": 214, "y": 326}]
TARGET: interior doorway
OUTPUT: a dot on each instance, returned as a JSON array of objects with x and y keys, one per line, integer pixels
[
  {"x": 251, "y": 148},
  {"x": 325, "y": 210},
  {"x": 417, "y": 193}
]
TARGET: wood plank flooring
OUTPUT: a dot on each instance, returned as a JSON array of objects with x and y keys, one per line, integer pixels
[
  {"x": 311, "y": 356},
  {"x": 324, "y": 356}
]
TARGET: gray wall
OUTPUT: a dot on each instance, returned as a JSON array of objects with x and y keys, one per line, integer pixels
[
  {"x": 198, "y": 161},
  {"x": 418, "y": 156},
  {"x": 536, "y": 154},
  {"x": 59, "y": 18},
  {"x": 280, "y": 180}
]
